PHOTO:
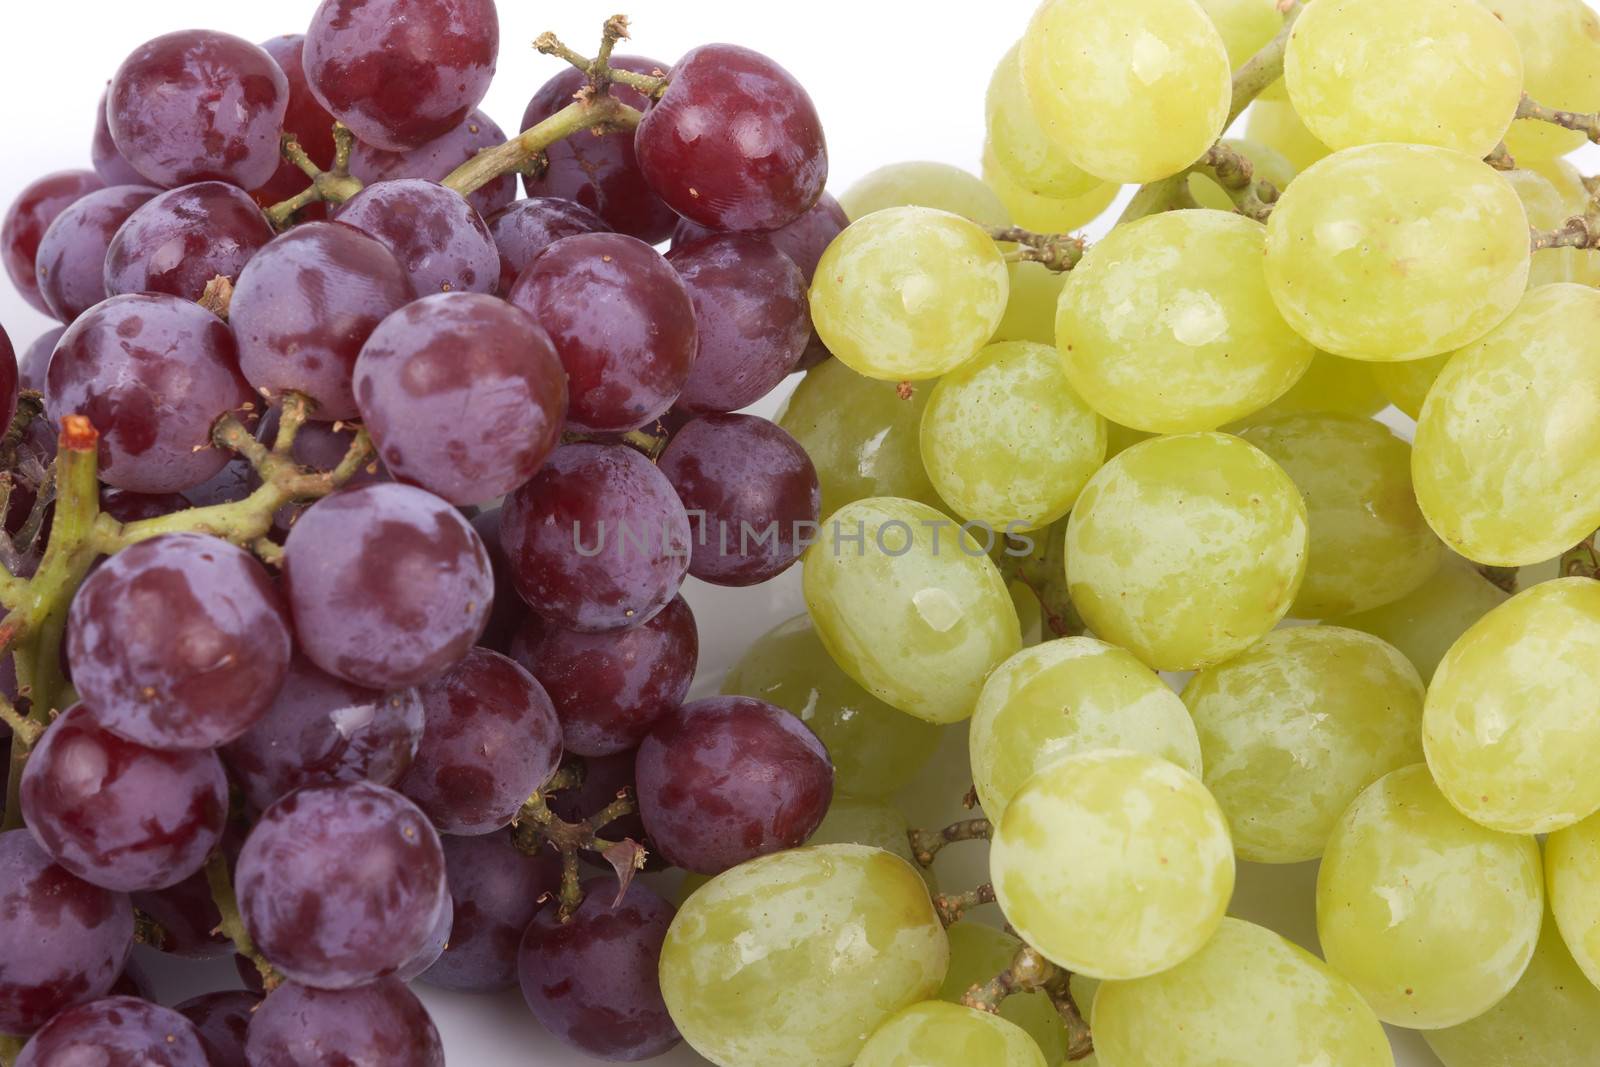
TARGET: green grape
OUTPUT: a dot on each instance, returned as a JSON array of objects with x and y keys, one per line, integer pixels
[
  {"x": 794, "y": 959},
  {"x": 1560, "y": 45},
  {"x": 1430, "y": 72},
  {"x": 920, "y": 184},
  {"x": 1245, "y": 25},
  {"x": 1185, "y": 550},
  {"x": 910, "y": 606},
  {"x": 1407, "y": 384},
  {"x": 1295, "y": 727},
  {"x": 909, "y": 293},
  {"x": 876, "y": 750},
  {"x": 1548, "y": 209},
  {"x": 1431, "y": 916},
  {"x": 1130, "y": 90},
  {"x": 1274, "y": 123},
  {"x": 1031, "y": 308},
  {"x": 1045, "y": 214},
  {"x": 1508, "y": 440},
  {"x": 977, "y": 954},
  {"x": 1332, "y": 385},
  {"x": 1425, "y": 622},
  {"x": 1249, "y": 998},
  {"x": 1268, "y": 164},
  {"x": 937, "y": 1034},
  {"x": 861, "y": 435},
  {"x": 1120, "y": 438},
  {"x": 1572, "y": 868},
  {"x": 1030, "y": 613},
  {"x": 1020, "y": 145},
  {"x": 1510, "y": 727},
  {"x": 1167, "y": 324},
  {"x": 1396, "y": 251},
  {"x": 876, "y": 823},
  {"x": 1113, "y": 863},
  {"x": 1369, "y": 542},
  {"x": 1560, "y": 173},
  {"x": 1070, "y": 695},
  {"x": 1007, "y": 441}
]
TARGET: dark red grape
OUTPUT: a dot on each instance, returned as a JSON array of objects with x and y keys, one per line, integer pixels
[
  {"x": 108, "y": 161},
  {"x": 133, "y": 982},
  {"x": 35, "y": 362},
  {"x": 593, "y": 980},
  {"x": 463, "y": 395},
  {"x": 735, "y": 142},
  {"x": 509, "y": 609},
  {"x": 492, "y": 739},
  {"x": 388, "y": 585},
  {"x": 306, "y": 119},
  {"x": 184, "y": 238},
  {"x": 400, "y": 73},
  {"x": 153, "y": 373},
  {"x": 304, "y": 307},
  {"x": 119, "y": 814},
  {"x": 236, "y": 480},
  {"x": 223, "y": 1021},
  {"x": 438, "y": 938},
  {"x": 378, "y": 1025},
  {"x": 599, "y": 170},
  {"x": 597, "y": 540},
  {"x": 622, "y": 321},
  {"x": 198, "y": 106},
  {"x": 62, "y": 940},
  {"x": 496, "y": 889},
  {"x": 605, "y": 778},
  {"x": 341, "y": 884},
  {"x": 439, "y": 239},
  {"x": 435, "y": 161},
  {"x": 725, "y": 780},
  {"x": 30, "y": 216},
  {"x": 132, "y": 507},
  {"x": 10, "y": 375},
  {"x": 188, "y": 916},
  {"x": 610, "y": 688},
  {"x": 753, "y": 319},
  {"x": 116, "y": 1032},
  {"x": 528, "y": 227},
  {"x": 71, "y": 263}
]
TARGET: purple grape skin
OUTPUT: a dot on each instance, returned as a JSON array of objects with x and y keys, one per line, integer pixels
[
  {"x": 71, "y": 262},
  {"x": 463, "y": 395},
  {"x": 223, "y": 1020},
  {"x": 108, "y": 162},
  {"x": 527, "y": 227},
  {"x": 388, "y": 585},
  {"x": 509, "y": 610},
  {"x": 583, "y": 575},
  {"x": 188, "y": 915},
  {"x": 440, "y": 240},
  {"x": 752, "y": 315},
  {"x": 236, "y": 480},
  {"x": 179, "y": 241},
  {"x": 438, "y": 938},
  {"x": 400, "y": 73},
  {"x": 116, "y": 1032},
  {"x": 30, "y": 215},
  {"x": 179, "y": 642},
  {"x": 133, "y": 982},
  {"x": 62, "y": 941},
  {"x": 378, "y": 1025},
  {"x": 725, "y": 780},
  {"x": 118, "y": 814},
  {"x": 734, "y": 143},
  {"x": 197, "y": 106},
  {"x": 496, "y": 889},
  {"x": 306, "y": 119},
  {"x": 610, "y": 688},
  {"x": 622, "y": 322},
  {"x": 10, "y": 378},
  {"x": 599, "y": 171},
  {"x": 593, "y": 980},
  {"x": 132, "y": 507},
  {"x": 35, "y": 362},
  {"x": 152, "y": 373},
  {"x": 492, "y": 738},
  {"x": 436, "y": 160}
]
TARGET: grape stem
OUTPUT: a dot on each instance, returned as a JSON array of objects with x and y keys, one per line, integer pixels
[
  {"x": 1059, "y": 252},
  {"x": 1587, "y": 124},
  {"x": 146, "y": 931},
  {"x": 10, "y": 1049},
  {"x": 1501, "y": 158},
  {"x": 232, "y": 925},
  {"x": 536, "y": 826},
  {"x": 334, "y": 185},
  {"x": 1231, "y": 170},
  {"x": 952, "y": 906},
  {"x": 1030, "y": 972},
  {"x": 1581, "y": 561},
  {"x": 927, "y": 844}
]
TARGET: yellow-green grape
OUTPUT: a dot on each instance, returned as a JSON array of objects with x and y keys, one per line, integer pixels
[
  {"x": 1030, "y": 613},
  {"x": 1020, "y": 145},
  {"x": 922, "y": 184},
  {"x": 1130, "y": 90},
  {"x": 1295, "y": 727},
  {"x": 861, "y": 434},
  {"x": 1511, "y": 728},
  {"x": 1045, "y": 214},
  {"x": 1431, "y": 916},
  {"x": 1431, "y": 72},
  {"x": 794, "y": 959},
  {"x": 1560, "y": 173},
  {"x": 876, "y": 750},
  {"x": 1186, "y": 550},
  {"x": 1274, "y": 123},
  {"x": 910, "y": 606},
  {"x": 1397, "y": 251},
  {"x": 877, "y": 823},
  {"x": 1425, "y": 622},
  {"x": 1006, "y": 439},
  {"x": 1120, "y": 438},
  {"x": 1245, "y": 25},
  {"x": 1369, "y": 542},
  {"x": 937, "y": 1034},
  {"x": 909, "y": 293},
  {"x": 1267, "y": 163},
  {"x": 1572, "y": 870},
  {"x": 1249, "y": 998},
  {"x": 977, "y": 954},
  {"x": 1031, "y": 308},
  {"x": 1560, "y": 44},
  {"x": 1551, "y": 1017},
  {"x": 1508, "y": 440},
  {"x": 1070, "y": 695},
  {"x": 1334, "y": 385},
  {"x": 1547, "y": 210},
  {"x": 1407, "y": 384},
  {"x": 1113, "y": 863}
]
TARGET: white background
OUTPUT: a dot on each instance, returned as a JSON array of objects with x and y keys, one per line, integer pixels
[{"x": 894, "y": 80}]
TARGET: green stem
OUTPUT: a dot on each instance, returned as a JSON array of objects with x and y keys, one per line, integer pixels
[
  {"x": 927, "y": 844},
  {"x": 600, "y": 112},
  {"x": 232, "y": 925},
  {"x": 1587, "y": 124}
]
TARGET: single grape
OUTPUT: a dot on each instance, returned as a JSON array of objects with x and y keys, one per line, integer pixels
[
  {"x": 1275, "y": 123},
  {"x": 379, "y": 1023},
  {"x": 10, "y": 375},
  {"x": 236, "y": 480},
  {"x": 188, "y": 914},
  {"x": 306, "y": 120},
  {"x": 35, "y": 362},
  {"x": 132, "y": 507},
  {"x": 1560, "y": 45},
  {"x": 1019, "y": 143},
  {"x": 441, "y": 241},
  {"x": 223, "y": 1021},
  {"x": 1031, "y": 307},
  {"x": 495, "y": 890},
  {"x": 118, "y": 1032},
  {"x": 71, "y": 260},
  {"x": 30, "y": 215},
  {"x": 1572, "y": 863},
  {"x": 438, "y": 937},
  {"x": 182, "y": 239},
  {"x": 1044, "y": 214},
  {"x": 939, "y": 186},
  {"x": 936, "y": 1034},
  {"x": 109, "y": 162},
  {"x": 1333, "y": 386},
  {"x": 1406, "y": 385},
  {"x": 977, "y": 954},
  {"x": 865, "y": 822},
  {"x": 1245, "y": 26},
  {"x": 524, "y": 229},
  {"x": 435, "y": 161},
  {"x": 1424, "y": 623}
]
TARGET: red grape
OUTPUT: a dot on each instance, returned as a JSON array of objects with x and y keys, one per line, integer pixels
[
  {"x": 10, "y": 377},
  {"x": 527, "y": 227},
  {"x": 184, "y": 238},
  {"x": 495, "y": 889},
  {"x": 438, "y": 938},
  {"x": 236, "y": 480},
  {"x": 400, "y": 73},
  {"x": 509, "y": 609},
  {"x": 108, "y": 161},
  {"x": 725, "y": 780},
  {"x": 223, "y": 1021},
  {"x": 71, "y": 263},
  {"x": 29, "y": 216},
  {"x": 439, "y": 239},
  {"x": 378, "y": 1025},
  {"x": 622, "y": 321},
  {"x": 306, "y": 119},
  {"x": 116, "y": 1032},
  {"x": 35, "y": 362},
  {"x": 188, "y": 916},
  {"x": 435, "y": 161},
  {"x": 133, "y": 982},
  {"x": 132, "y": 507},
  {"x": 198, "y": 106},
  {"x": 463, "y": 395}
]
